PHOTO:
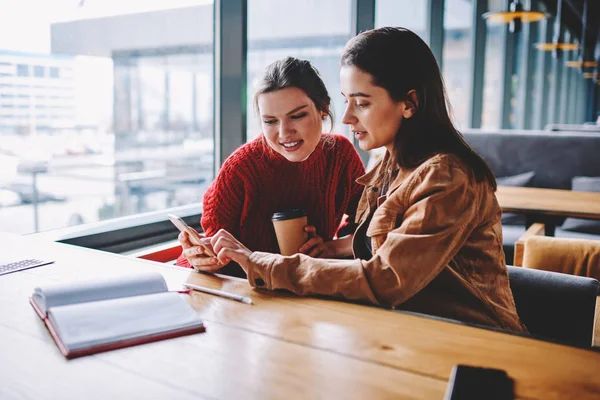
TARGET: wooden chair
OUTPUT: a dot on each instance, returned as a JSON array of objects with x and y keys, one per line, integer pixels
[
  {"x": 536, "y": 229},
  {"x": 569, "y": 256},
  {"x": 578, "y": 257}
]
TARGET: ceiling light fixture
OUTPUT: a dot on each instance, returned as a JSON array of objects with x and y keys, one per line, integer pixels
[
  {"x": 582, "y": 64},
  {"x": 557, "y": 45},
  {"x": 514, "y": 16}
]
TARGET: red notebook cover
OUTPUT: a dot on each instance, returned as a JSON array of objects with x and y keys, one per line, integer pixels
[{"x": 110, "y": 346}]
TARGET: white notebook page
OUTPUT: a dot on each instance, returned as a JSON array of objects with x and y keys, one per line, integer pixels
[
  {"x": 89, "y": 324},
  {"x": 112, "y": 288}
]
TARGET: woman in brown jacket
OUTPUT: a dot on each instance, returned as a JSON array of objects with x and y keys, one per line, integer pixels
[{"x": 429, "y": 237}]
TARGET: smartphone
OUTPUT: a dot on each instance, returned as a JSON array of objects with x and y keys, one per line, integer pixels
[
  {"x": 469, "y": 383},
  {"x": 194, "y": 237}
]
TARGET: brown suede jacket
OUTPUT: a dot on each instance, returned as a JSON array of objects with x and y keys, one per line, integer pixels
[{"x": 437, "y": 249}]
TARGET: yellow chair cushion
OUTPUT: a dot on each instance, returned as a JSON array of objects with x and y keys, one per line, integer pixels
[{"x": 569, "y": 256}]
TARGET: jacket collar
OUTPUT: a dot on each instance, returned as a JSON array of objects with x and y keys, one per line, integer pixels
[
  {"x": 376, "y": 175},
  {"x": 370, "y": 177}
]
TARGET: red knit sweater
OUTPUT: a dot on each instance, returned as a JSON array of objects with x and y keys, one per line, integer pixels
[{"x": 256, "y": 181}]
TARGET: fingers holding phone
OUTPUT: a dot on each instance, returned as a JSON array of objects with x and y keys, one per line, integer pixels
[
  {"x": 198, "y": 253},
  {"x": 196, "y": 249}
]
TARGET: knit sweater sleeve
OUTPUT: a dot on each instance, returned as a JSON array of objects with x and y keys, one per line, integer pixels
[
  {"x": 223, "y": 202},
  {"x": 224, "y": 199},
  {"x": 355, "y": 170}
]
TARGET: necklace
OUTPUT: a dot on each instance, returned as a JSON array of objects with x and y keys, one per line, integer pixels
[{"x": 388, "y": 177}]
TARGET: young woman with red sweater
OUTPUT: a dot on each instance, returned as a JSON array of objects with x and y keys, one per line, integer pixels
[{"x": 292, "y": 164}]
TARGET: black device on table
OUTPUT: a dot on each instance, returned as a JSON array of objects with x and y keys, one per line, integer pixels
[{"x": 470, "y": 383}]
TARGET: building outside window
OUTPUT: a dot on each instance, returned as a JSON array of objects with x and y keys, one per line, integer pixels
[{"x": 109, "y": 125}]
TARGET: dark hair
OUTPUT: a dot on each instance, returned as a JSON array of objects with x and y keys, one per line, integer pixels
[
  {"x": 292, "y": 72},
  {"x": 400, "y": 61}
]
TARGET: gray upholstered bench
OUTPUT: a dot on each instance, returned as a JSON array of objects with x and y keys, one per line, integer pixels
[{"x": 540, "y": 159}]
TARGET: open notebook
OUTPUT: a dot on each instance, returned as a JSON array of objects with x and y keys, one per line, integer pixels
[{"x": 94, "y": 316}]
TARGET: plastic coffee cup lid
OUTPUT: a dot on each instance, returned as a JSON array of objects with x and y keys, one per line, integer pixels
[{"x": 288, "y": 214}]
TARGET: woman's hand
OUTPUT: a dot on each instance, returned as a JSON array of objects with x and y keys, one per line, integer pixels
[
  {"x": 228, "y": 248},
  {"x": 196, "y": 255},
  {"x": 315, "y": 246}
]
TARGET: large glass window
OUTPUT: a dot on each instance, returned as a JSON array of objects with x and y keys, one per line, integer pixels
[
  {"x": 54, "y": 72},
  {"x": 540, "y": 87},
  {"x": 457, "y": 57},
  {"x": 118, "y": 121},
  {"x": 407, "y": 14},
  {"x": 312, "y": 30},
  {"x": 38, "y": 71},
  {"x": 22, "y": 69},
  {"x": 491, "y": 116}
]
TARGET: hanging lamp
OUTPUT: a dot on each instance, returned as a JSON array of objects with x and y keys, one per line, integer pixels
[
  {"x": 557, "y": 45},
  {"x": 514, "y": 16},
  {"x": 582, "y": 64}
]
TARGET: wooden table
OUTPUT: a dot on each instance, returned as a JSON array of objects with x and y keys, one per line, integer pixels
[
  {"x": 544, "y": 205},
  {"x": 280, "y": 347}
]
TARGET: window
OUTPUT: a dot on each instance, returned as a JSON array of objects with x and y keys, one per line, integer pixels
[
  {"x": 408, "y": 14},
  {"x": 491, "y": 117},
  {"x": 121, "y": 132},
  {"x": 491, "y": 114},
  {"x": 22, "y": 70},
  {"x": 38, "y": 71},
  {"x": 312, "y": 30},
  {"x": 457, "y": 57},
  {"x": 54, "y": 72}
]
